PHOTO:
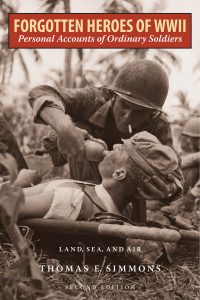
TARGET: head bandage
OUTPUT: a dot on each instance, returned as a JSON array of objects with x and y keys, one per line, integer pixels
[{"x": 150, "y": 155}]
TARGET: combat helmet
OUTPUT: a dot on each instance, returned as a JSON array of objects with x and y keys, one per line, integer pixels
[
  {"x": 192, "y": 127},
  {"x": 142, "y": 82}
]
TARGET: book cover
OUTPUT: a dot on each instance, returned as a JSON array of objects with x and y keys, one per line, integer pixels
[{"x": 77, "y": 78}]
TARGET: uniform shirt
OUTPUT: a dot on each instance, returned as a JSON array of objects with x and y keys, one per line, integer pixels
[
  {"x": 8, "y": 139},
  {"x": 191, "y": 178},
  {"x": 76, "y": 200},
  {"x": 91, "y": 108}
]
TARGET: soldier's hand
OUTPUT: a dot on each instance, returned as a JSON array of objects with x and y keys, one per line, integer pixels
[
  {"x": 71, "y": 141},
  {"x": 155, "y": 188}
]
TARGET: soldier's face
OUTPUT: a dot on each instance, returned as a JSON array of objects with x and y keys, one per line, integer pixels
[
  {"x": 115, "y": 159},
  {"x": 126, "y": 113}
]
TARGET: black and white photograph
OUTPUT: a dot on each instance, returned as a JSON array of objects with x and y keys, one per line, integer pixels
[{"x": 99, "y": 163}]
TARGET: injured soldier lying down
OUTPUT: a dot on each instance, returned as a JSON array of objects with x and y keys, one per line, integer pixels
[{"x": 123, "y": 169}]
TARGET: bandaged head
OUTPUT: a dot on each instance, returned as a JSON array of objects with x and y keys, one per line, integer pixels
[{"x": 150, "y": 156}]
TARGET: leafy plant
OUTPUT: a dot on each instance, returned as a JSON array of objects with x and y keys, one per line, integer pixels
[{"x": 8, "y": 57}]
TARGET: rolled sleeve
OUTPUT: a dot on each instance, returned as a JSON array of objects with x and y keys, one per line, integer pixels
[
  {"x": 42, "y": 96},
  {"x": 79, "y": 103}
]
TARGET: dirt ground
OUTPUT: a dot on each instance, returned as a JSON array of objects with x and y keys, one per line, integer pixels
[{"x": 179, "y": 280}]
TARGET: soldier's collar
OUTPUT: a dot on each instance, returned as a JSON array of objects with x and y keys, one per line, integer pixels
[
  {"x": 100, "y": 116},
  {"x": 106, "y": 199}
]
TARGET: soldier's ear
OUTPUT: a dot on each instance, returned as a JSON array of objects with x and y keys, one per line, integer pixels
[{"x": 119, "y": 174}]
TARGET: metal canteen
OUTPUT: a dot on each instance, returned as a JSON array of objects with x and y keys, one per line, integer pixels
[{"x": 94, "y": 149}]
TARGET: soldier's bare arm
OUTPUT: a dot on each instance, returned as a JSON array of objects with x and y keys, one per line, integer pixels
[
  {"x": 70, "y": 138},
  {"x": 58, "y": 108}
]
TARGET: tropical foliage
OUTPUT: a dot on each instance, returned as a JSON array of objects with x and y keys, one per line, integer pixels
[
  {"x": 9, "y": 56},
  {"x": 110, "y": 61}
]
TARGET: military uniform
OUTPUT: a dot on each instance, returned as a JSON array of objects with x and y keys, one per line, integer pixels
[
  {"x": 76, "y": 200},
  {"x": 191, "y": 131},
  {"x": 190, "y": 168},
  {"x": 92, "y": 110},
  {"x": 191, "y": 176},
  {"x": 11, "y": 146}
]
